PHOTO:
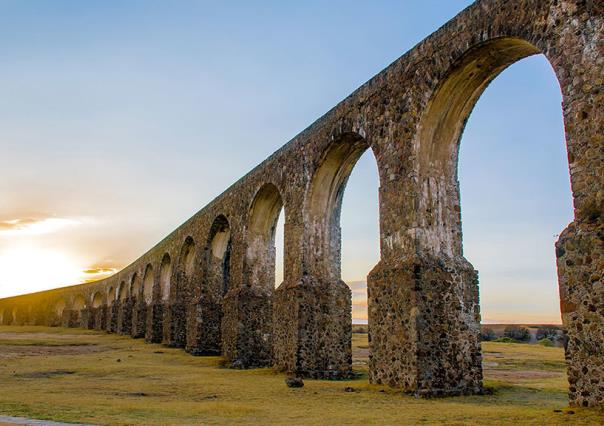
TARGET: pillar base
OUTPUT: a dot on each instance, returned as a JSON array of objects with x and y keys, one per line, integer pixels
[
  {"x": 175, "y": 335},
  {"x": 580, "y": 259},
  {"x": 312, "y": 329},
  {"x": 247, "y": 328},
  {"x": 112, "y": 316},
  {"x": 100, "y": 318},
  {"x": 424, "y": 327},
  {"x": 87, "y": 318},
  {"x": 154, "y": 330},
  {"x": 124, "y": 322},
  {"x": 203, "y": 328},
  {"x": 139, "y": 320}
]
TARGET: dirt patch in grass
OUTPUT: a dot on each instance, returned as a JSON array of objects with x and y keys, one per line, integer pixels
[
  {"x": 20, "y": 351},
  {"x": 38, "y": 336},
  {"x": 44, "y": 374}
]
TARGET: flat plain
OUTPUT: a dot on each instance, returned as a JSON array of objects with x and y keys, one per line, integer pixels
[{"x": 84, "y": 376}]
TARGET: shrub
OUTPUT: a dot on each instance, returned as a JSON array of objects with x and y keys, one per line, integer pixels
[
  {"x": 545, "y": 342},
  {"x": 550, "y": 332},
  {"x": 506, "y": 340},
  {"x": 487, "y": 334},
  {"x": 522, "y": 334}
]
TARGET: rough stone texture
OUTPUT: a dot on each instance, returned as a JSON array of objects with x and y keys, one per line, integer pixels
[
  {"x": 155, "y": 323},
  {"x": 580, "y": 269},
  {"x": 214, "y": 275},
  {"x": 124, "y": 319},
  {"x": 139, "y": 319},
  {"x": 312, "y": 329},
  {"x": 436, "y": 305}
]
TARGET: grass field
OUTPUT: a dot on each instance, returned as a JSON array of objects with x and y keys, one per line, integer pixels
[{"x": 84, "y": 376}]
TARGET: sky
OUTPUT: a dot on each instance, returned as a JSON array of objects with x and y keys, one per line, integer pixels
[{"x": 120, "y": 119}]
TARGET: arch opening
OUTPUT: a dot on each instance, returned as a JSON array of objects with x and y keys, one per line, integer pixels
[
  {"x": 261, "y": 254},
  {"x": 97, "y": 300},
  {"x": 440, "y": 134},
  {"x": 449, "y": 117},
  {"x": 327, "y": 191},
  {"x": 188, "y": 258},
  {"x": 110, "y": 296},
  {"x": 148, "y": 282},
  {"x": 164, "y": 279},
  {"x": 219, "y": 259},
  {"x": 344, "y": 216},
  {"x": 79, "y": 303},
  {"x": 122, "y": 291},
  {"x": 135, "y": 287},
  {"x": 59, "y": 308}
]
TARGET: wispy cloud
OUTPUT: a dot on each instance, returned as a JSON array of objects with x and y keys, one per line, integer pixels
[
  {"x": 97, "y": 273},
  {"x": 35, "y": 226}
]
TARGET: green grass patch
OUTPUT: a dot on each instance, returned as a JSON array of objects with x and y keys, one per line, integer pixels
[{"x": 115, "y": 380}]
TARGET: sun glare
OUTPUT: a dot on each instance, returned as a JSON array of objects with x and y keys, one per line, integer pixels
[{"x": 30, "y": 269}]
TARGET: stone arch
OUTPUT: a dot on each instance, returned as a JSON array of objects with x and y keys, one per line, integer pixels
[
  {"x": 97, "y": 300},
  {"x": 148, "y": 285},
  {"x": 60, "y": 307},
  {"x": 187, "y": 258},
  {"x": 122, "y": 291},
  {"x": 440, "y": 132},
  {"x": 262, "y": 223},
  {"x": 79, "y": 303},
  {"x": 78, "y": 307},
  {"x": 111, "y": 296},
  {"x": 325, "y": 202},
  {"x": 165, "y": 276},
  {"x": 437, "y": 230},
  {"x": 6, "y": 317},
  {"x": 219, "y": 256},
  {"x": 135, "y": 287},
  {"x": 123, "y": 315}
]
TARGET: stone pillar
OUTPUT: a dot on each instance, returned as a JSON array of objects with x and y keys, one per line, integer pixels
[
  {"x": 139, "y": 318},
  {"x": 204, "y": 328},
  {"x": 312, "y": 328},
  {"x": 424, "y": 325},
  {"x": 124, "y": 325},
  {"x": 112, "y": 319},
  {"x": 246, "y": 327},
  {"x": 100, "y": 321},
  {"x": 87, "y": 318},
  {"x": 580, "y": 259},
  {"x": 154, "y": 329},
  {"x": 70, "y": 318},
  {"x": 175, "y": 334}
]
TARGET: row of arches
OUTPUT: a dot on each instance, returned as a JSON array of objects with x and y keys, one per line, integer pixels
[{"x": 424, "y": 312}]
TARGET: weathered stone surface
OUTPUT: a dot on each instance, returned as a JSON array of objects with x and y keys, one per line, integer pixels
[{"x": 214, "y": 276}]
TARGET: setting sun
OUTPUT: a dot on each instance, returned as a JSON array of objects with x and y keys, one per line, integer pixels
[{"x": 29, "y": 269}]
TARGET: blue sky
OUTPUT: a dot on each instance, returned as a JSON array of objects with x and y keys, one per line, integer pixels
[{"x": 123, "y": 118}]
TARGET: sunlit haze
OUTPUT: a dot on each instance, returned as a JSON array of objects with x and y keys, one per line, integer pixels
[{"x": 120, "y": 120}]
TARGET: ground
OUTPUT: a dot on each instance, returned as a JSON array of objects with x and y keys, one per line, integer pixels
[{"x": 84, "y": 376}]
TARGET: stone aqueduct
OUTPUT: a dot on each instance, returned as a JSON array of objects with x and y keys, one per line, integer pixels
[{"x": 209, "y": 286}]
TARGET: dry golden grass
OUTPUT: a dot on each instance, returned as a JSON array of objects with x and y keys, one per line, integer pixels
[{"x": 75, "y": 376}]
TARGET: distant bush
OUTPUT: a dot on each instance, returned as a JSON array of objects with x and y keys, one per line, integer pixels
[
  {"x": 521, "y": 334},
  {"x": 362, "y": 329},
  {"x": 506, "y": 340},
  {"x": 487, "y": 335},
  {"x": 545, "y": 342},
  {"x": 550, "y": 332}
]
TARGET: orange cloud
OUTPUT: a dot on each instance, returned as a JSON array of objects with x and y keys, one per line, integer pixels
[{"x": 32, "y": 226}]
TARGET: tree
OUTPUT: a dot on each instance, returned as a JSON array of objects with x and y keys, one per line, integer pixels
[
  {"x": 522, "y": 334},
  {"x": 487, "y": 334}
]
